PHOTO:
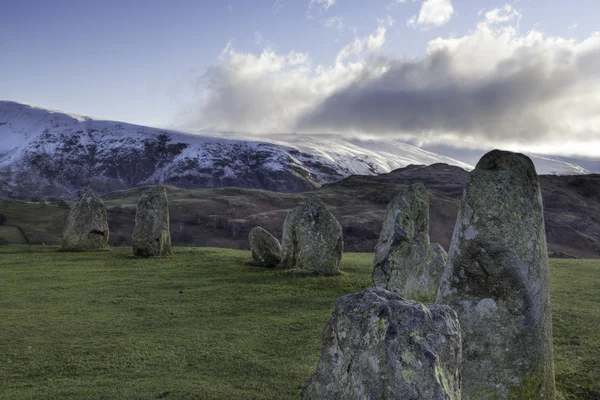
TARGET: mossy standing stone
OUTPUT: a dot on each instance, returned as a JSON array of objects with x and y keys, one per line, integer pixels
[
  {"x": 497, "y": 281},
  {"x": 376, "y": 345},
  {"x": 86, "y": 228},
  {"x": 405, "y": 261},
  {"x": 312, "y": 239},
  {"x": 151, "y": 235},
  {"x": 265, "y": 248}
]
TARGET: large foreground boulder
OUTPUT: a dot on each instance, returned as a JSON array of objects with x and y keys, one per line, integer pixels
[
  {"x": 265, "y": 248},
  {"x": 376, "y": 345},
  {"x": 87, "y": 226},
  {"x": 312, "y": 239},
  {"x": 497, "y": 281},
  {"x": 151, "y": 235},
  {"x": 405, "y": 261}
]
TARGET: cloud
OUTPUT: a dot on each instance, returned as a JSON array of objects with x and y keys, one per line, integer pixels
[
  {"x": 359, "y": 46},
  {"x": 492, "y": 86},
  {"x": 435, "y": 12},
  {"x": 276, "y": 6},
  {"x": 502, "y": 15},
  {"x": 322, "y": 5},
  {"x": 334, "y": 22}
]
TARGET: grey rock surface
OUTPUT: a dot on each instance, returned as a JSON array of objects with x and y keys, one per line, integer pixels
[
  {"x": 151, "y": 235},
  {"x": 497, "y": 281},
  {"x": 265, "y": 248},
  {"x": 86, "y": 228},
  {"x": 376, "y": 345},
  {"x": 405, "y": 261},
  {"x": 312, "y": 239}
]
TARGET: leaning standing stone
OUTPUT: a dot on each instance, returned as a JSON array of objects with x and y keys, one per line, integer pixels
[
  {"x": 405, "y": 261},
  {"x": 497, "y": 281},
  {"x": 87, "y": 226},
  {"x": 151, "y": 235},
  {"x": 376, "y": 345},
  {"x": 312, "y": 239},
  {"x": 266, "y": 250}
]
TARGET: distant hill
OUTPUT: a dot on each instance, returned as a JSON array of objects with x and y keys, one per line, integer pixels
[
  {"x": 47, "y": 154},
  {"x": 223, "y": 217}
]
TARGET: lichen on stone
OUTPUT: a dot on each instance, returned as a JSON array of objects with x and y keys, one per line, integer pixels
[
  {"x": 405, "y": 261},
  {"x": 86, "y": 228},
  {"x": 497, "y": 282}
]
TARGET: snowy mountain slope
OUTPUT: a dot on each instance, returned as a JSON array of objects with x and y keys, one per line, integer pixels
[{"x": 46, "y": 153}]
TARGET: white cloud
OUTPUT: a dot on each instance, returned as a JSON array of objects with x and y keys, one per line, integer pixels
[
  {"x": 492, "y": 86},
  {"x": 389, "y": 21},
  {"x": 334, "y": 22},
  {"x": 502, "y": 15},
  {"x": 321, "y": 4},
  {"x": 412, "y": 22},
  {"x": 435, "y": 12},
  {"x": 369, "y": 44},
  {"x": 278, "y": 5}
]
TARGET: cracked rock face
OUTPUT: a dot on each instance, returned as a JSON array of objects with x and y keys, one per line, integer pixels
[
  {"x": 497, "y": 282},
  {"x": 376, "y": 345},
  {"x": 265, "y": 248},
  {"x": 312, "y": 239},
  {"x": 87, "y": 226},
  {"x": 151, "y": 235},
  {"x": 405, "y": 261}
]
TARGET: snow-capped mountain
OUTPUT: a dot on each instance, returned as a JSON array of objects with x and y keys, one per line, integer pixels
[{"x": 47, "y": 153}]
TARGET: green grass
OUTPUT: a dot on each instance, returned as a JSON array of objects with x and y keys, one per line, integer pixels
[{"x": 202, "y": 324}]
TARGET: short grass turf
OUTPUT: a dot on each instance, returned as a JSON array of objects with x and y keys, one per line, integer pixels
[{"x": 204, "y": 325}]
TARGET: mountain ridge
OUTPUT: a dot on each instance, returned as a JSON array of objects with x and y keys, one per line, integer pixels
[{"x": 49, "y": 153}]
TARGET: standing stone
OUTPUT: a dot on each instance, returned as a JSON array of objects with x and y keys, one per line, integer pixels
[
  {"x": 405, "y": 262},
  {"x": 312, "y": 239},
  {"x": 151, "y": 235},
  {"x": 376, "y": 345},
  {"x": 497, "y": 281},
  {"x": 87, "y": 226},
  {"x": 266, "y": 250}
]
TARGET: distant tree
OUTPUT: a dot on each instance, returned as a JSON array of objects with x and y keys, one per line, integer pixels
[{"x": 2, "y": 219}]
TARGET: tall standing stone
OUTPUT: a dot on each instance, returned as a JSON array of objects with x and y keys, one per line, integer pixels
[
  {"x": 312, "y": 239},
  {"x": 376, "y": 345},
  {"x": 497, "y": 281},
  {"x": 405, "y": 261},
  {"x": 87, "y": 226},
  {"x": 151, "y": 235},
  {"x": 265, "y": 248}
]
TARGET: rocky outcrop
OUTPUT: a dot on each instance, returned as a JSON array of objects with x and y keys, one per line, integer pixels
[
  {"x": 497, "y": 281},
  {"x": 376, "y": 345},
  {"x": 86, "y": 228},
  {"x": 151, "y": 235},
  {"x": 405, "y": 261},
  {"x": 265, "y": 248},
  {"x": 312, "y": 239}
]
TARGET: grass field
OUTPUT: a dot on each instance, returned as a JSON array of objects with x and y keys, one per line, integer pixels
[{"x": 203, "y": 325}]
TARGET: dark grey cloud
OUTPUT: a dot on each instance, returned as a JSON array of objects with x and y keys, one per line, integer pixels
[
  {"x": 430, "y": 96},
  {"x": 492, "y": 87}
]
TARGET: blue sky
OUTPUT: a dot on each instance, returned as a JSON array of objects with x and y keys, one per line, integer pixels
[{"x": 199, "y": 64}]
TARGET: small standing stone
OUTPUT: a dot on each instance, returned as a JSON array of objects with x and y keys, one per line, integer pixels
[
  {"x": 405, "y": 261},
  {"x": 312, "y": 239},
  {"x": 497, "y": 281},
  {"x": 87, "y": 226},
  {"x": 151, "y": 235},
  {"x": 265, "y": 248},
  {"x": 376, "y": 345}
]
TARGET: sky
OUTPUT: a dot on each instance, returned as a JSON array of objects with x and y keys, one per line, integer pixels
[{"x": 521, "y": 75}]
